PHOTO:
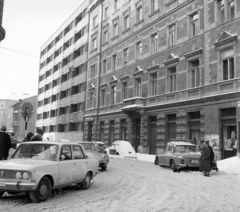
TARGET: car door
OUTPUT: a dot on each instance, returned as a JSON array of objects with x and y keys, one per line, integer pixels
[
  {"x": 169, "y": 154},
  {"x": 162, "y": 156},
  {"x": 81, "y": 163},
  {"x": 67, "y": 166}
]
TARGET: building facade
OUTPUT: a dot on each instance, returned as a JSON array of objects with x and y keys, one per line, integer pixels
[
  {"x": 6, "y": 113},
  {"x": 2, "y": 31},
  {"x": 20, "y": 128},
  {"x": 164, "y": 70},
  {"x": 62, "y": 78}
]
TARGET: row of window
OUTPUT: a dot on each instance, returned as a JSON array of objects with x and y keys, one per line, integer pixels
[
  {"x": 76, "y": 53},
  {"x": 194, "y": 78},
  {"x": 71, "y": 127},
  {"x": 65, "y": 31},
  {"x": 74, "y": 72},
  {"x": 62, "y": 94}
]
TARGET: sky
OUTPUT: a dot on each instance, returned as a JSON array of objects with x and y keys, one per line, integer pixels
[{"x": 28, "y": 25}]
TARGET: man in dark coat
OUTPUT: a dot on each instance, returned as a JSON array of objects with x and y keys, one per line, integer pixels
[
  {"x": 5, "y": 143},
  {"x": 205, "y": 160},
  {"x": 39, "y": 135}
]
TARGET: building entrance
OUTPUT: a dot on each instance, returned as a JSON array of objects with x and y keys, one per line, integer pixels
[
  {"x": 152, "y": 134},
  {"x": 89, "y": 135},
  {"x": 136, "y": 133}
]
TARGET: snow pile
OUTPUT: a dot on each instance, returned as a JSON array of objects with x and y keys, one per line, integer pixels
[
  {"x": 230, "y": 165},
  {"x": 145, "y": 157}
]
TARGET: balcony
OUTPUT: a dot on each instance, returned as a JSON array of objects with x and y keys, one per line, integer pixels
[{"x": 133, "y": 105}]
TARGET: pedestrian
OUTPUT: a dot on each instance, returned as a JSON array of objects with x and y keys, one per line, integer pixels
[
  {"x": 216, "y": 150},
  {"x": 5, "y": 143},
  {"x": 28, "y": 137},
  {"x": 205, "y": 160},
  {"x": 39, "y": 135}
]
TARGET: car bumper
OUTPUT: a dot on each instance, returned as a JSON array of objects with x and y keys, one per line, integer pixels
[
  {"x": 195, "y": 165},
  {"x": 17, "y": 186}
]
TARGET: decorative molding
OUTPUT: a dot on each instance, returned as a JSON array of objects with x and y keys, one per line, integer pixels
[
  {"x": 113, "y": 80},
  {"x": 226, "y": 39},
  {"x": 139, "y": 22},
  {"x": 124, "y": 78},
  {"x": 194, "y": 53},
  {"x": 103, "y": 85},
  {"x": 171, "y": 59},
  {"x": 153, "y": 13},
  {"x": 151, "y": 68},
  {"x": 138, "y": 71}
]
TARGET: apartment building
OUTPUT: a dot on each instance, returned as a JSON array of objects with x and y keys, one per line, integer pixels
[
  {"x": 62, "y": 78},
  {"x": 2, "y": 31},
  {"x": 6, "y": 113},
  {"x": 164, "y": 70}
]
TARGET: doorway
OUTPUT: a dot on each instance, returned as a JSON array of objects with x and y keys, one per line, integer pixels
[
  {"x": 153, "y": 134},
  {"x": 89, "y": 135},
  {"x": 136, "y": 133}
]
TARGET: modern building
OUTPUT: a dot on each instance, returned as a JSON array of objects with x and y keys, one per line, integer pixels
[
  {"x": 164, "y": 70},
  {"x": 20, "y": 123},
  {"x": 6, "y": 113},
  {"x": 2, "y": 31},
  {"x": 62, "y": 78}
]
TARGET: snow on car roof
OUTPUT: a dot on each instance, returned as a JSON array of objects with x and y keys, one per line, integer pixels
[{"x": 181, "y": 143}]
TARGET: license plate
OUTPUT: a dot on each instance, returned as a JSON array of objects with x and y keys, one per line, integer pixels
[
  {"x": 195, "y": 161},
  {"x": 2, "y": 184}
]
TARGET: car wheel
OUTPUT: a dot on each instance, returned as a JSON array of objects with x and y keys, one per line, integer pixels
[
  {"x": 87, "y": 181},
  {"x": 42, "y": 192},
  {"x": 173, "y": 166},
  {"x": 104, "y": 168},
  {"x": 156, "y": 162}
]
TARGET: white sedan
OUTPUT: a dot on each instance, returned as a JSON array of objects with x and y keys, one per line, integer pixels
[
  {"x": 39, "y": 167},
  {"x": 122, "y": 148}
]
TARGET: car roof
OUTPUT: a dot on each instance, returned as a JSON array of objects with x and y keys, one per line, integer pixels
[
  {"x": 50, "y": 142},
  {"x": 182, "y": 143}
]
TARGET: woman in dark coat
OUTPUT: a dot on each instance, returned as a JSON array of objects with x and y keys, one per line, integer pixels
[{"x": 205, "y": 160}]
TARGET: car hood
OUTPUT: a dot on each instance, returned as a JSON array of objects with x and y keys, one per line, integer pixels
[
  {"x": 191, "y": 155},
  {"x": 22, "y": 164}
]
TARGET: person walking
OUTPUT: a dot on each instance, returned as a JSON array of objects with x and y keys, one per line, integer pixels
[
  {"x": 5, "y": 143},
  {"x": 28, "y": 137},
  {"x": 39, "y": 135},
  {"x": 205, "y": 160}
]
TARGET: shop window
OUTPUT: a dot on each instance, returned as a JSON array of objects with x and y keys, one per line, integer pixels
[{"x": 194, "y": 125}]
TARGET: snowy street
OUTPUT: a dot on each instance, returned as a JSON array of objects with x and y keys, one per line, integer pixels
[{"x": 131, "y": 185}]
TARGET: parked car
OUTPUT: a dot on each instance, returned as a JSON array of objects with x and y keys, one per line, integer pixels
[
  {"x": 179, "y": 154},
  {"x": 39, "y": 167},
  {"x": 123, "y": 148},
  {"x": 92, "y": 152},
  {"x": 100, "y": 146}
]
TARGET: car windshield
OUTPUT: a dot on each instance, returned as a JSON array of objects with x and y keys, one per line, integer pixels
[
  {"x": 186, "y": 149},
  {"x": 87, "y": 145},
  {"x": 37, "y": 152}
]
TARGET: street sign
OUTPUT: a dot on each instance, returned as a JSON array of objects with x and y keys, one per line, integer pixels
[{"x": 27, "y": 111}]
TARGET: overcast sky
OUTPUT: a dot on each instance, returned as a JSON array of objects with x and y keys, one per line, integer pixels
[{"x": 28, "y": 24}]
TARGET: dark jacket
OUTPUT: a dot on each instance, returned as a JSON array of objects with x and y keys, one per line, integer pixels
[
  {"x": 5, "y": 144},
  {"x": 205, "y": 160},
  {"x": 36, "y": 138},
  {"x": 26, "y": 139}
]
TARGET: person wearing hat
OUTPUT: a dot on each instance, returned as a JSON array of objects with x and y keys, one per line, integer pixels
[
  {"x": 39, "y": 135},
  {"x": 5, "y": 143},
  {"x": 205, "y": 160}
]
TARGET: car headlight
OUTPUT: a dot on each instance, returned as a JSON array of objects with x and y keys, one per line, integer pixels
[
  {"x": 18, "y": 175},
  {"x": 25, "y": 175}
]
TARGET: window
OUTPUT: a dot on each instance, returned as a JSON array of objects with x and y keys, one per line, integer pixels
[
  {"x": 226, "y": 10},
  {"x": 124, "y": 90},
  {"x": 228, "y": 64},
  {"x": 125, "y": 55},
  {"x": 139, "y": 50},
  {"x": 93, "y": 71},
  {"x": 172, "y": 79},
  {"x": 103, "y": 97},
  {"x": 66, "y": 153},
  {"x": 138, "y": 87},
  {"x": 139, "y": 13},
  {"x": 172, "y": 34},
  {"x": 114, "y": 59},
  {"x": 153, "y": 84},
  {"x": 154, "y": 5},
  {"x": 77, "y": 152},
  {"x": 94, "y": 43},
  {"x": 91, "y": 100},
  {"x": 94, "y": 21},
  {"x": 115, "y": 5},
  {"x": 104, "y": 66},
  {"x": 105, "y": 36},
  {"x": 126, "y": 22},
  {"x": 115, "y": 29},
  {"x": 194, "y": 24},
  {"x": 194, "y": 74},
  {"x": 123, "y": 129},
  {"x": 106, "y": 13},
  {"x": 102, "y": 131},
  {"x": 113, "y": 94},
  {"x": 231, "y": 9},
  {"x": 154, "y": 43}
]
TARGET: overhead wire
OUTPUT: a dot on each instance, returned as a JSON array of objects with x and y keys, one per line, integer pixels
[{"x": 19, "y": 52}]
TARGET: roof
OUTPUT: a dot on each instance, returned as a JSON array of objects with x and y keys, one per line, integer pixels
[{"x": 49, "y": 142}]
